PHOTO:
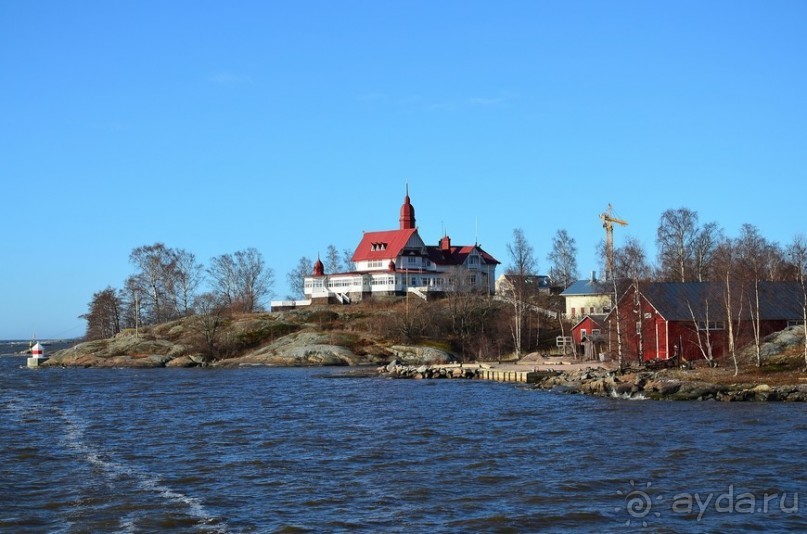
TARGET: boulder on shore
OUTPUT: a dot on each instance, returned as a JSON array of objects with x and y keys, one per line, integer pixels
[{"x": 417, "y": 355}]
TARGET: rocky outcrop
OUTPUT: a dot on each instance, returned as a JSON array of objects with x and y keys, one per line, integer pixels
[
  {"x": 124, "y": 350},
  {"x": 775, "y": 344},
  {"x": 264, "y": 342},
  {"x": 303, "y": 349}
]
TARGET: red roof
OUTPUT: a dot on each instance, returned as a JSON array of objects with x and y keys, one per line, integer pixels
[{"x": 382, "y": 245}]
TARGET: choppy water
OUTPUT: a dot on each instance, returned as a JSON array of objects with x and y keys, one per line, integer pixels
[{"x": 262, "y": 449}]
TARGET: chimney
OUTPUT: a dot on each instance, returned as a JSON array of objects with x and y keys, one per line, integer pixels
[
  {"x": 593, "y": 276},
  {"x": 445, "y": 243}
]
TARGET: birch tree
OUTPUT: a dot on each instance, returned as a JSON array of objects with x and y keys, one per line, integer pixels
[
  {"x": 752, "y": 259},
  {"x": 618, "y": 321},
  {"x": 797, "y": 251},
  {"x": 468, "y": 309},
  {"x": 222, "y": 272},
  {"x": 155, "y": 264},
  {"x": 347, "y": 259},
  {"x": 724, "y": 265},
  {"x": 675, "y": 238},
  {"x": 705, "y": 339},
  {"x": 630, "y": 263},
  {"x": 186, "y": 276},
  {"x": 704, "y": 246},
  {"x": 563, "y": 259},
  {"x": 241, "y": 279},
  {"x": 296, "y": 277},
  {"x": 254, "y": 279},
  {"x": 522, "y": 265},
  {"x": 333, "y": 261}
]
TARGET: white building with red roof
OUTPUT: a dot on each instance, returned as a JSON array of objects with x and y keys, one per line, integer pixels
[{"x": 394, "y": 262}]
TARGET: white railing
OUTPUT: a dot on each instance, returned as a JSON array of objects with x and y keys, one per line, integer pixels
[
  {"x": 419, "y": 292},
  {"x": 343, "y": 298}
]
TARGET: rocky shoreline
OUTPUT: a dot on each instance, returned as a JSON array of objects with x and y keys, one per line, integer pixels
[
  {"x": 628, "y": 384},
  {"x": 297, "y": 340},
  {"x": 664, "y": 385}
]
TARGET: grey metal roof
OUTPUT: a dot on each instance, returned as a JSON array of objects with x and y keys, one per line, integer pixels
[
  {"x": 587, "y": 287},
  {"x": 677, "y": 301}
]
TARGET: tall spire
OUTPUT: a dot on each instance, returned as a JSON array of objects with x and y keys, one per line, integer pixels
[{"x": 407, "y": 219}]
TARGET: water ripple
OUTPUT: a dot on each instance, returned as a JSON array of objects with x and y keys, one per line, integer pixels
[{"x": 291, "y": 450}]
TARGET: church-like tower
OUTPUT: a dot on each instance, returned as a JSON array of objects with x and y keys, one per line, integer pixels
[{"x": 407, "y": 219}]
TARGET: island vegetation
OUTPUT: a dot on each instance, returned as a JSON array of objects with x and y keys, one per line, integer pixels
[{"x": 174, "y": 311}]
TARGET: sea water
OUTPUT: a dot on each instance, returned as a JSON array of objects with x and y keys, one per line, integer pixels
[{"x": 272, "y": 449}]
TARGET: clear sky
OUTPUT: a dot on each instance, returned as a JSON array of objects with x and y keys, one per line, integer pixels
[{"x": 289, "y": 126}]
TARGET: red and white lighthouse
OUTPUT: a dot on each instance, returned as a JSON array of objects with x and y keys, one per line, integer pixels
[{"x": 37, "y": 355}]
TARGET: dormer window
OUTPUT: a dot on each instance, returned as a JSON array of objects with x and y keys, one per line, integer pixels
[{"x": 378, "y": 246}]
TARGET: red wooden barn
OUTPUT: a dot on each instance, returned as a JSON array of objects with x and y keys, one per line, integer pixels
[
  {"x": 691, "y": 318},
  {"x": 589, "y": 335}
]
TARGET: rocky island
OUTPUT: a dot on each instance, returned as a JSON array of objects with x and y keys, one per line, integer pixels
[
  {"x": 314, "y": 337},
  {"x": 324, "y": 337}
]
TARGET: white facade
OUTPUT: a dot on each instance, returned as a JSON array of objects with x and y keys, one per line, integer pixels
[{"x": 394, "y": 262}]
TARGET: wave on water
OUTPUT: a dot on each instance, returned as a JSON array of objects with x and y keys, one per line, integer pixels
[{"x": 115, "y": 470}]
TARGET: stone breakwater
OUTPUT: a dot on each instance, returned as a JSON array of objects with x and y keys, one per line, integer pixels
[
  {"x": 612, "y": 383},
  {"x": 399, "y": 370}
]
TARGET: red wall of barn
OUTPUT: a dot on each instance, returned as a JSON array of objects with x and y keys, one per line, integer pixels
[
  {"x": 586, "y": 324},
  {"x": 659, "y": 337}
]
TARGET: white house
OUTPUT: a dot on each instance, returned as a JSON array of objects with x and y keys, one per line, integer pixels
[
  {"x": 587, "y": 297},
  {"x": 394, "y": 262}
]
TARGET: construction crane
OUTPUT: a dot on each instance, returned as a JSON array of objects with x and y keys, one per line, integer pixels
[{"x": 608, "y": 221}]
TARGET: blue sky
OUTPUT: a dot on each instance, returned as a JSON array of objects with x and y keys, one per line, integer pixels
[{"x": 289, "y": 126}]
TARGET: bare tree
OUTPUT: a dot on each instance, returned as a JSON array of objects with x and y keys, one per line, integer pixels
[
  {"x": 677, "y": 231},
  {"x": 618, "y": 323},
  {"x": 522, "y": 266},
  {"x": 103, "y": 315},
  {"x": 704, "y": 246},
  {"x": 468, "y": 307},
  {"x": 296, "y": 277},
  {"x": 347, "y": 260},
  {"x": 705, "y": 339},
  {"x": 797, "y": 251},
  {"x": 752, "y": 258},
  {"x": 130, "y": 299},
  {"x": 724, "y": 265},
  {"x": 333, "y": 262},
  {"x": 223, "y": 276},
  {"x": 254, "y": 279},
  {"x": 563, "y": 258},
  {"x": 186, "y": 276},
  {"x": 241, "y": 279},
  {"x": 155, "y": 265},
  {"x": 630, "y": 263},
  {"x": 776, "y": 263},
  {"x": 208, "y": 321}
]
